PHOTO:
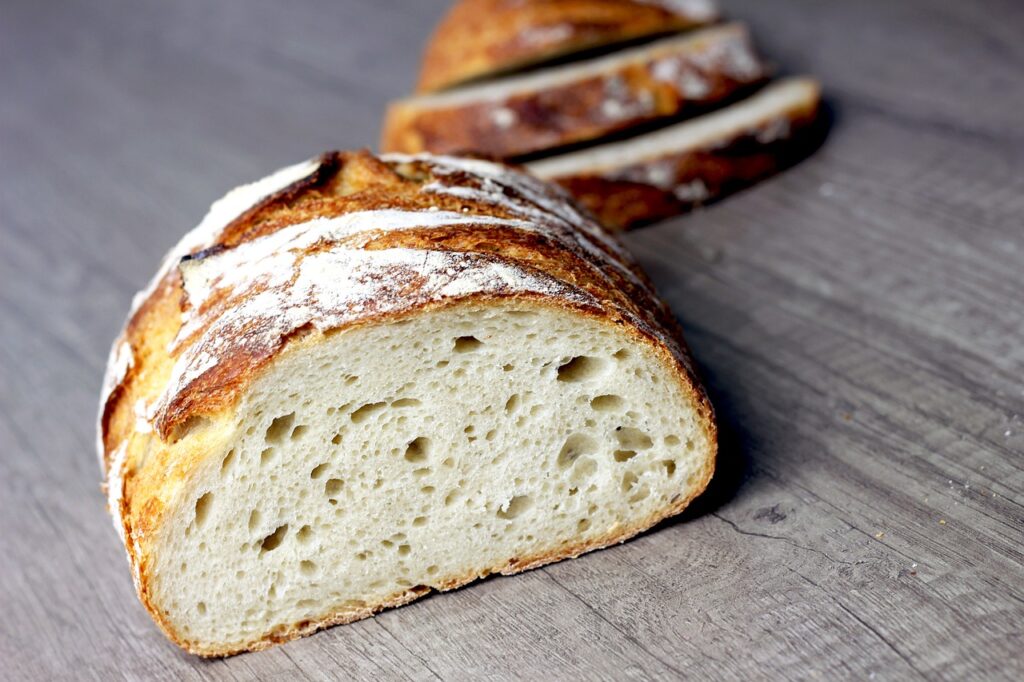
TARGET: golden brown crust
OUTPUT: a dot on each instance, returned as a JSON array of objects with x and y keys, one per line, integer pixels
[
  {"x": 636, "y": 194},
  {"x": 506, "y": 220},
  {"x": 479, "y": 38},
  {"x": 670, "y": 79}
]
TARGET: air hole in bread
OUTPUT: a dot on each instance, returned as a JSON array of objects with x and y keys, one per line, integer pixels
[
  {"x": 633, "y": 439},
  {"x": 279, "y": 427},
  {"x": 512, "y": 403},
  {"x": 575, "y": 445},
  {"x": 305, "y": 534},
  {"x": 416, "y": 451},
  {"x": 228, "y": 460},
  {"x": 366, "y": 411},
  {"x": 274, "y": 540},
  {"x": 254, "y": 519},
  {"x": 515, "y": 507},
  {"x": 624, "y": 455},
  {"x": 307, "y": 567},
  {"x": 406, "y": 402},
  {"x": 640, "y": 492},
  {"x": 203, "y": 509},
  {"x": 467, "y": 344},
  {"x": 670, "y": 467},
  {"x": 580, "y": 368},
  {"x": 319, "y": 470},
  {"x": 672, "y": 441},
  {"x": 584, "y": 468},
  {"x": 267, "y": 455},
  {"x": 607, "y": 403},
  {"x": 333, "y": 487},
  {"x": 298, "y": 431}
]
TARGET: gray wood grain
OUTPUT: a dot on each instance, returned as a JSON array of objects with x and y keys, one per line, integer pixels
[{"x": 859, "y": 320}]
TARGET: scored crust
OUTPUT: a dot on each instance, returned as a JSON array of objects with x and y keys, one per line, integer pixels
[
  {"x": 542, "y": 111},
  {"x": 674, "y": 170},
  {"x": 479, "y": 38},
  {"x": 193, "y": 343}
]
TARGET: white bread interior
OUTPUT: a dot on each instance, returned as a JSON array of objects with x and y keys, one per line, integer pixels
[
  {"x": 775, "y": 103},
  {"x": 367, "y": 465}
]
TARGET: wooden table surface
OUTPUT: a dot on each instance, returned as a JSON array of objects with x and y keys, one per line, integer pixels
[{"x": 859, "y": 320}]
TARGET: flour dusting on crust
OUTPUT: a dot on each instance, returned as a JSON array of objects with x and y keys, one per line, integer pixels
[
  {"x": 221, "y": 214},
  {"x": 516, "y": 192}
]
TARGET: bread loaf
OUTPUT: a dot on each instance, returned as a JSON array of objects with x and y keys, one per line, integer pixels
[
  {"x": 544, "y": 110},
  {"x": 482, "y": 38},
  {"x": 674, "y": 169},
  {"x": 362, "y": 379}
]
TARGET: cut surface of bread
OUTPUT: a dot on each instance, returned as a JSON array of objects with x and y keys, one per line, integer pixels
[
  {"x": 564, "y": 105},
  {"x": 673, "y": 169},
  {"x": 363, "y": 379},
  {"x": 481, "y": 38}
]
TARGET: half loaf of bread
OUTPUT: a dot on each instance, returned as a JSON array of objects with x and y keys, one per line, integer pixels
[
  {"x": 543, "y": 110},
  {"x": 362, "y": 379},
  {"x": 481, "y": 38},
  {"x": 674, "y": 169}
]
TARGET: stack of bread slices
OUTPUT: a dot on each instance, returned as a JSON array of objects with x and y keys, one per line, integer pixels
[{"x": 642, "y": 109}]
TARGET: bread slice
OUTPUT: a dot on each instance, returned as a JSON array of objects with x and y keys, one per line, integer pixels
[
  {"x": 367, "y": 378},
  {"x": 554, "y": 107},
  {"x": 482, "y": 38},
  {"x": 672, "y": 170}
]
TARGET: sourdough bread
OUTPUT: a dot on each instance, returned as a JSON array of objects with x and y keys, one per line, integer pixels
[
  {"x": 364, "y": 378},
  {"x": 564, "y": 105},
  {"x": 674, "y": 169},
  {"x": 482, "y": 38}
]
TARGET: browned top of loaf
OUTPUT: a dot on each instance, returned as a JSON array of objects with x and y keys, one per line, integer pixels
[
  {"x": 388, "y": 236},
  {"x": 478, "y": 38}
]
